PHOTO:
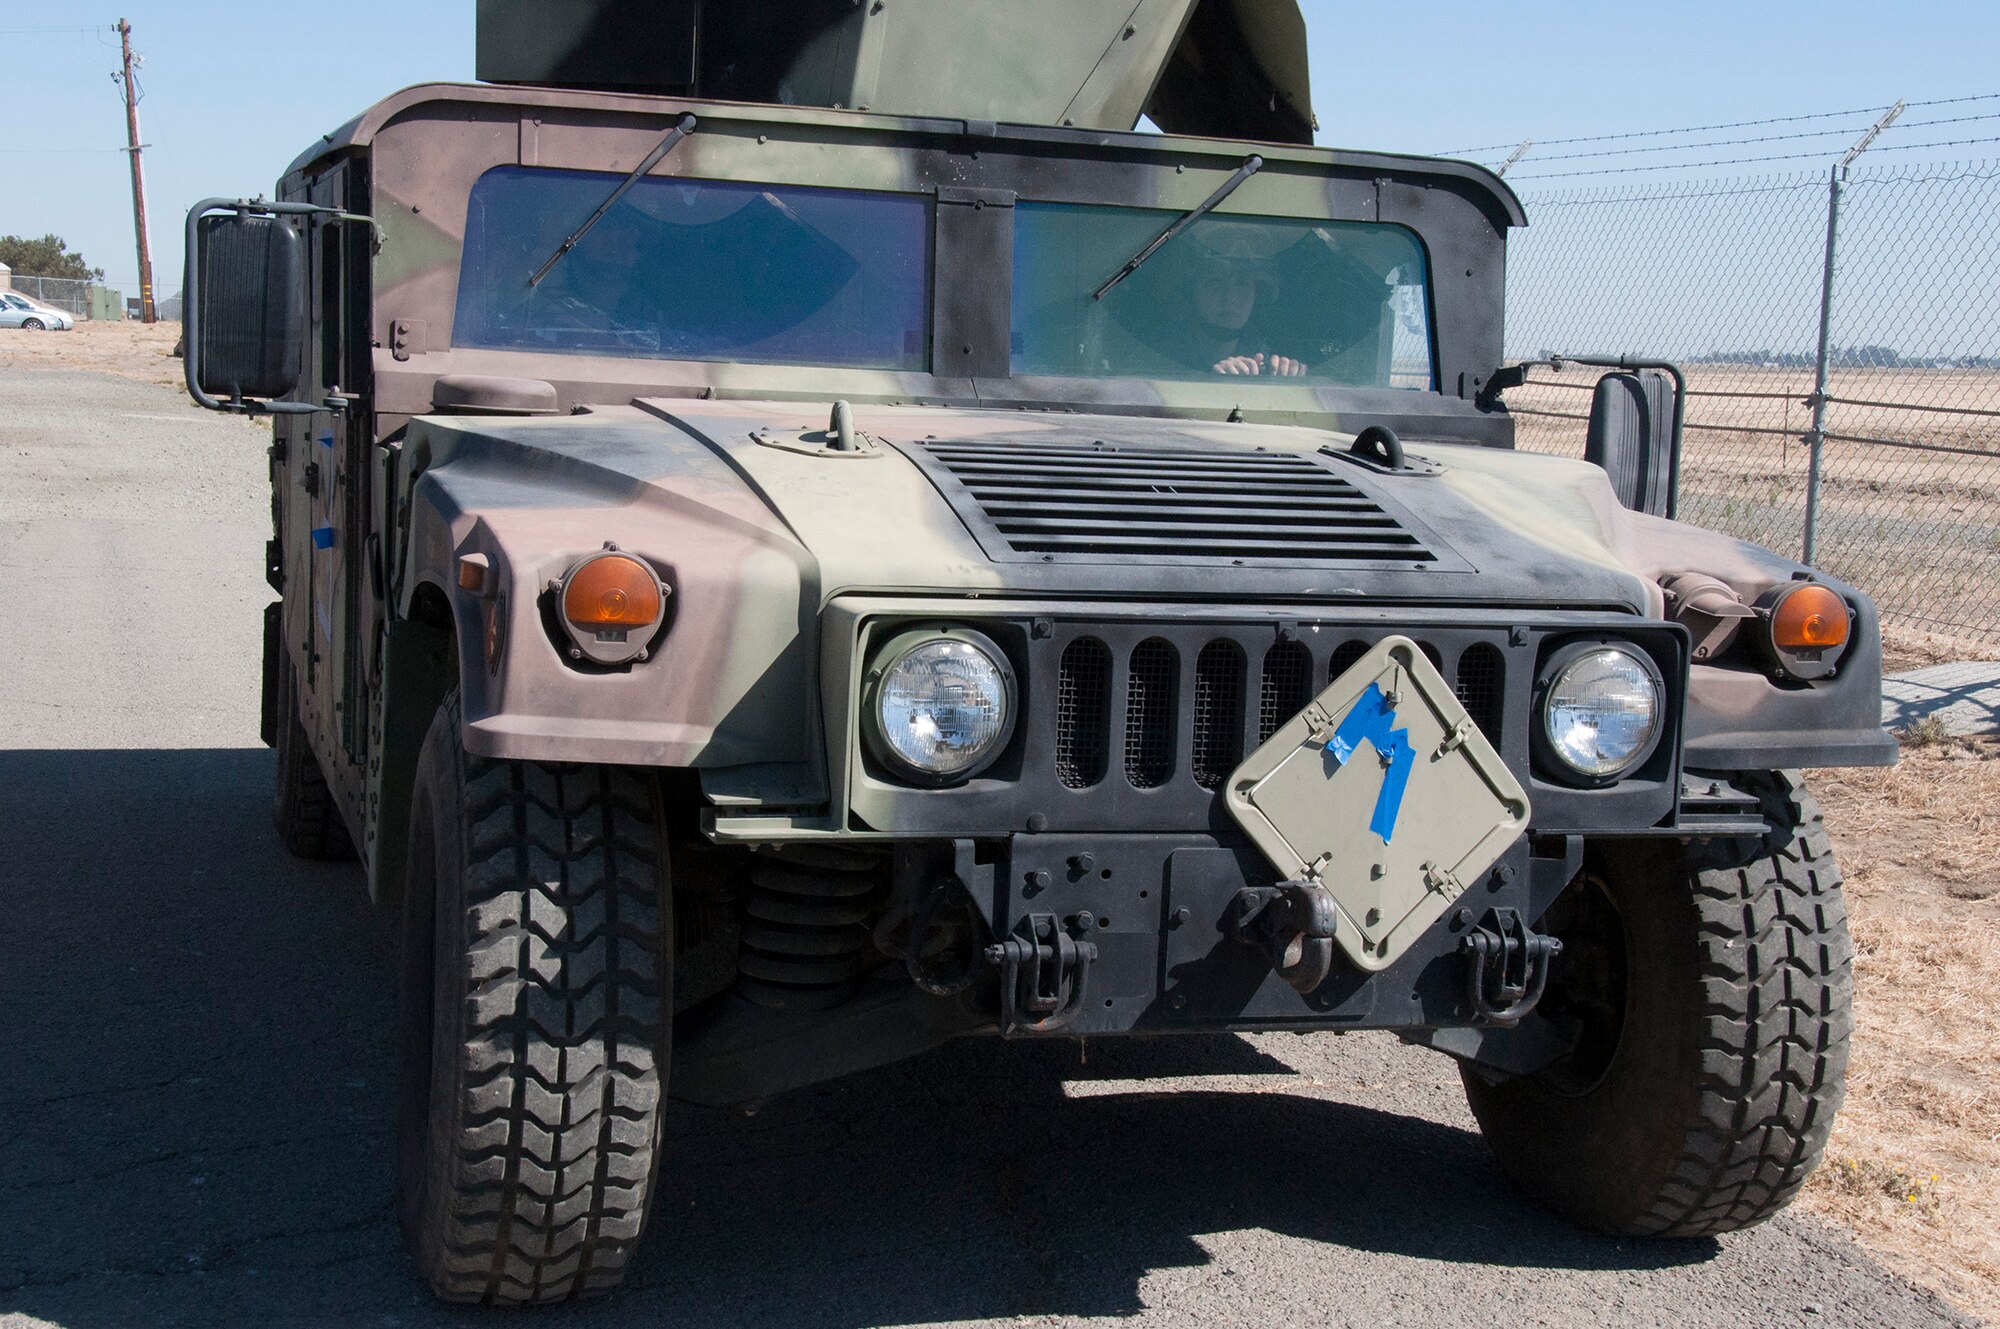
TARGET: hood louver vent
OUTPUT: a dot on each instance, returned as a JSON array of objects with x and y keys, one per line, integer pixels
[{"x": 1056, "y": 502}]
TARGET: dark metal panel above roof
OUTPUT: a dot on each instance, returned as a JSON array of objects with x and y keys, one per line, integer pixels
[{"x": 1225, "y": 68}]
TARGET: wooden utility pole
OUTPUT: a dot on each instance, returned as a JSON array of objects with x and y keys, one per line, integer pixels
[{"x": 147, "y": 313}]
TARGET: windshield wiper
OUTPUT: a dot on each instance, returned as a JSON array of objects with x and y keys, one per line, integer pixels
[
  {"x": 1251, "y": 165},
  {"x": 661, "y": 149}
]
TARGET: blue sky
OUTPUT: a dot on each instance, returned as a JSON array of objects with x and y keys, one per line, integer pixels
[{"x": 236, "y": 88}]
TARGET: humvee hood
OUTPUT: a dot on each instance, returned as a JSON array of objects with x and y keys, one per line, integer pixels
[
  {"x": 1031, "y": 504},
  {"x": 1066, "y": 505}
]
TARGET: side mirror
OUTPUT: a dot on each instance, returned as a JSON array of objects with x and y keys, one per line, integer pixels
[
  {"x": 1635, "y": 436},
  {"x": 244, "y": 316},
  {"x": 250, "y": 279}
]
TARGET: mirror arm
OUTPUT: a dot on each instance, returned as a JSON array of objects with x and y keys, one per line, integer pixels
[
  {"x": 1514, "y": 375},
  {"x": 191, "y": 296}
]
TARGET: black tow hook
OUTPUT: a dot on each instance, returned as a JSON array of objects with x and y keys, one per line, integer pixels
[
  {"x": 1509, "y": 966},
  {"x": 1044, "y": 972},
  {"x": 1293, "y": 924}
]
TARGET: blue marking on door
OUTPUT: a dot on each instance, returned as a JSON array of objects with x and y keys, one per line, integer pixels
[
  {"x": 326, "y": 440},
  {"x": 1371, "y": 720},
  {"x": 322, "y": 537}
]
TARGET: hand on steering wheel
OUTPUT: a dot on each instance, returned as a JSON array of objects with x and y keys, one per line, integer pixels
[{"x": 1280, "y": 366}]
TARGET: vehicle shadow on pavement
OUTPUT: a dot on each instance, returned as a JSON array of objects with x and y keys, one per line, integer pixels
[
  {"x": 197, "y": 1091},
  {"x": 966, "y": 1185}
]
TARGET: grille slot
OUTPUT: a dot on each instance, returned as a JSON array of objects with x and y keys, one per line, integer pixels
[
  {"x": 1083, "y": 713},
  {"x": 1149, "y": 713},
  {"x": 1062, "y": 501},
  {"x": 1344, "y": 657},
  {"x": 1286, "y": 687},
  {"x": 1218, "y": 712},
  {"x": 1479, "y": 686}
]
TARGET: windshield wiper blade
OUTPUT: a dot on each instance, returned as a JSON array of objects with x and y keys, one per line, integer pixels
[
  {"x": 660, "y": 149},
  {"x": 1251, "y": 165}
]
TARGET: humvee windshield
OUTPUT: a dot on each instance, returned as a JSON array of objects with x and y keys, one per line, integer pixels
[
  {"x": 697, "y": 270},
  {"x": 786, "y": 274},
  {"x": 1325, "y": 302}
]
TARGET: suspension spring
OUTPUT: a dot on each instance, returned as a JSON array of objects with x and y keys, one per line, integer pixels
[{"x": 806, "y": 943}]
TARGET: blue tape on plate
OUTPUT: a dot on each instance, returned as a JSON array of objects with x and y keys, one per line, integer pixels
[
  {"x": 326, "y": 440},
  {"x": 322, "y": 537},
  {"x": 1372, "y": 721}
]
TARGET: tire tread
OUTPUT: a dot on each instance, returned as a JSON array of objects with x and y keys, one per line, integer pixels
[{"x": 554, "y": 1131}]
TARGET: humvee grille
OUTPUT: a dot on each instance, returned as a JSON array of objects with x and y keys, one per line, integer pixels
[
  {"x": 1058, "y": 501},
  {"x": 1214, "y": 700}
]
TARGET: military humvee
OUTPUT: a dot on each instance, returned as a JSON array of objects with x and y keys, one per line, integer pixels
[{"x": 801, "y": 536}]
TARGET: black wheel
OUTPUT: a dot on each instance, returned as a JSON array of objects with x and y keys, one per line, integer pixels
[
  {"x": 534, "y": 1039},
  {"x": 33, "y": 324},
  {"x": 1712, "y": 989},
  {"x": 302, "y": 807}
]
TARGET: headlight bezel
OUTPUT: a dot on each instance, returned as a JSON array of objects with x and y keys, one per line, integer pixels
[
  {"x": 1548, "y": 756},
  {"x": 901, "y": 643}
]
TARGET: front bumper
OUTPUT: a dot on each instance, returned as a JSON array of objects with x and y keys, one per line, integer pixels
[{"x": 1161, "y": 915}]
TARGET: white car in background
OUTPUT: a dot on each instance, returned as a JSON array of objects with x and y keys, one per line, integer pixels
[{"x": 18, "y": 311}]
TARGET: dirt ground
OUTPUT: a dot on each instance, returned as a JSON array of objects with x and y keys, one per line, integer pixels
[
  {"x": 1914, "y": 1165},
  {"x": 131, "y": 350}
]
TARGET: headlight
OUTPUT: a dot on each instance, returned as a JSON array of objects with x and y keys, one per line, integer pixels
[
  {"x": 1601, "y": 711},
  {"x": 942, "y": 705}
]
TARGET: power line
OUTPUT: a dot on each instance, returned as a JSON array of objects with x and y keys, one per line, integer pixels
[{"x": 1736, "y": 124}]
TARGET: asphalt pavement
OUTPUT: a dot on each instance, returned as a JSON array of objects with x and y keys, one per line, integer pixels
[{"x": 197, "y": 1045}]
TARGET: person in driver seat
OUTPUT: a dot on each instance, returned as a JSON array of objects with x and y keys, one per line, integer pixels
[{"x": 1226, "y": 280}]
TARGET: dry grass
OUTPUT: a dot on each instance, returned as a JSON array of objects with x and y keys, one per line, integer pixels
[
  {"x": 1905, "y": 648},
  {"x": 129, "y": 349},
  {"x": 1914, "y": 1164}
]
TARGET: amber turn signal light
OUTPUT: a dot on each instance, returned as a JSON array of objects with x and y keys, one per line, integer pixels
[
  {"x": 1811, "y": 618},
  {"x": 612, "y": 591}
]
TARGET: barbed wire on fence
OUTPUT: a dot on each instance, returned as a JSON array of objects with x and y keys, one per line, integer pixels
[{"x": 1734, "y": 124}]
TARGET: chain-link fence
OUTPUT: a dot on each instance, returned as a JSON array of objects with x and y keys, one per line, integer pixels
[
  {"x": 69, "y": 294},
  {"x": 1727, "y": 278}
]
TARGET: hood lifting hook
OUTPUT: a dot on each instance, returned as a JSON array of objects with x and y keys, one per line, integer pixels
[{"x": 840, "y": 429}]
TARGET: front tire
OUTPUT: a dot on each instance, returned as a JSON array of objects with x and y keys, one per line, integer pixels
[
  {"x": 1713, "y": 988},
  {"x": 33, "y": 325},
  {"x": 534, "y": 1034}
]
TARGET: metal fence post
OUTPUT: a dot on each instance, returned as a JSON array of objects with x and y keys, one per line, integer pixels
[{"x": 1816, "y": 434}]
